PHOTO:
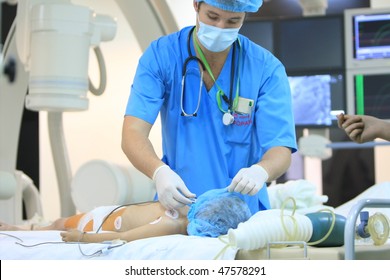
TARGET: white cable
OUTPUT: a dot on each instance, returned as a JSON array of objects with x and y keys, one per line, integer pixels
[{"x": 103, "y": 74}]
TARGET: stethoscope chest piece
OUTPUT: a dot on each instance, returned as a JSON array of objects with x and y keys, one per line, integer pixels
[{"x": 227, "y": 118}]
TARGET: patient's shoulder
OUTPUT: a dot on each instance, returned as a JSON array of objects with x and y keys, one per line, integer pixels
[{"x": 174, "y": 226}]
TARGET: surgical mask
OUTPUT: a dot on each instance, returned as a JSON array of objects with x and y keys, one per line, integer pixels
[{"x": 216, "y": 39}]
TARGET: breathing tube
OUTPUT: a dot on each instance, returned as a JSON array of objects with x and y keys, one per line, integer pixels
[
  {"x": 270, "y": 226},
  {"x": 322, "y": 229},
  {"x": 375, "y": 227}
]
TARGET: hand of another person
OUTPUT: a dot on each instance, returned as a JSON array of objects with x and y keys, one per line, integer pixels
[
  {"x": 72, "y": 235},
  {"x": 359, "y": 128},
  {"x": 249, "y": 180},
  {"x": 171, "y": 190}
]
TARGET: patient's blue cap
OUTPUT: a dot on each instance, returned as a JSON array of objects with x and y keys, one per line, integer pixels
[
  {"x": 215, "y": 212},
  {"x": 235, "y": 5}
]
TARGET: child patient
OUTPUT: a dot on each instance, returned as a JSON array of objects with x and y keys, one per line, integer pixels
[{"x": 212, "y": 215}]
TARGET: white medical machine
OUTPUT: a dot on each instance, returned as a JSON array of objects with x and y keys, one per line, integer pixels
[
  {"x": 48, "y": 46},
  {"x": 49, "y": 43}
]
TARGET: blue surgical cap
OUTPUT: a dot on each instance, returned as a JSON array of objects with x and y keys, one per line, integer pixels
[
  {"x": 235, "y": 5},
  {"x": 215, "y": 212}
]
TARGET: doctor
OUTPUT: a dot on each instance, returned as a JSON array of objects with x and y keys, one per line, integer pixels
[{"x": 225, "y": 108}]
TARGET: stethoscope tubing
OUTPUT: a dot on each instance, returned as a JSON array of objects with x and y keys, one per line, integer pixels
[
  {"x": 232, "y": 69},
  {"x": 191, "y": 57}
]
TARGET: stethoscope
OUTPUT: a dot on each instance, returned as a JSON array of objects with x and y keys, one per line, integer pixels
[
  {"x": 184, "y": 74},
  {"x": 228, "y": 117}
]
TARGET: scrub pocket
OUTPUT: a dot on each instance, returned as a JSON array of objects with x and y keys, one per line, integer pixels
[{"x": 239, "y": 133}]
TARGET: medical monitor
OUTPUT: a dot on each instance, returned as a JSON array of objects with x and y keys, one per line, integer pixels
[
  {"x": 367, "y": 37},
  {"x": 311, "y": 43},
  {"x": 260, "y": 32},
  {"x": 317, "y": 99},
  {"x": 369, "y": 93}
]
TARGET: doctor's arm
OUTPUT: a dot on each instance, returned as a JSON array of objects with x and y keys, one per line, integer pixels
[
  {"x": 137, "y": 146},
  {"x": 274, "y": 163},
  {"x": 172, "y": 191}
]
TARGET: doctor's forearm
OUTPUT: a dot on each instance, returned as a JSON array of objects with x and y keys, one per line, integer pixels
[
  {"x": 143, "y": 157},
  {"x": 276, "y": 161},
  {"x": 137, "y": 146}
]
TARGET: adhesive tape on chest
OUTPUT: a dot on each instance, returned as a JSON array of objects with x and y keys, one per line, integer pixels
[
  {"x": 155, "y": 221},
  {"x": 172, "y": 214},
  {"x": 118, "y": 223}
]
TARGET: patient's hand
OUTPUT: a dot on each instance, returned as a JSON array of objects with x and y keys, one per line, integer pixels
[{"x": 72, "y": 235}]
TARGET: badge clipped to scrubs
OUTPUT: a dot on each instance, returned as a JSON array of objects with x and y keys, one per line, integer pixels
[{"x": 245, "y": 105}]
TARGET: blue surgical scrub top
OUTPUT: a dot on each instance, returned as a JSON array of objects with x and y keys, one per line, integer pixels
[{"x": 203, "y": 151}]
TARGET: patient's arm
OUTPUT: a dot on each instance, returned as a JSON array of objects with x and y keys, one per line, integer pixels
[{"x": 165, "y": 226}]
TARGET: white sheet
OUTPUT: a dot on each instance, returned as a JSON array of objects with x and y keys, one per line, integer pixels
[
  {"x": 50, "y": 247},
  {"x": 175, "y": 247}
]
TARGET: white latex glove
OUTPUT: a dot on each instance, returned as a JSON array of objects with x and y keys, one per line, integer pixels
[
  {"x": 249, "y": 180},
  {"x": 171, "y": 190}
]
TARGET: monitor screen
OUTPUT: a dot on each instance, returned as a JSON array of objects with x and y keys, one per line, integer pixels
[
  {"x": 371, "y": 36},
  {"x": 260, "y": 32},
  {"x": 317, "y": 99},
  {"x": 372, "y": 94},
  {"x": 367, "y": 38},
  {"x": 312, "y": 43}
]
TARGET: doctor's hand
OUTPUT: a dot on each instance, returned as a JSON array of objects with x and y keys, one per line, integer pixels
[
  {"x": 249, "y": 180},
  {"x": 171, "y": 190}
]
